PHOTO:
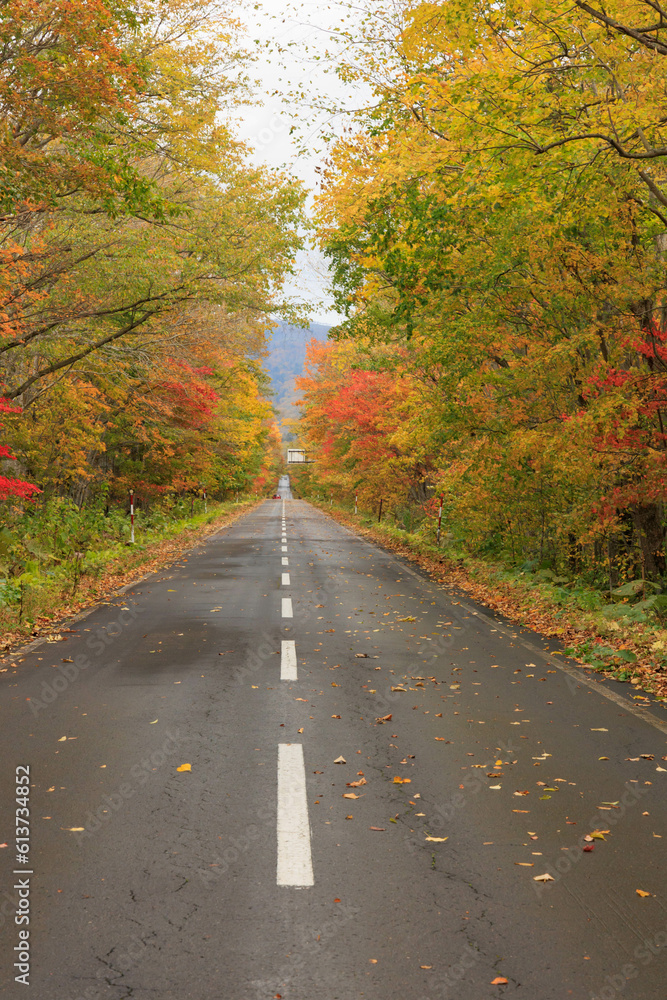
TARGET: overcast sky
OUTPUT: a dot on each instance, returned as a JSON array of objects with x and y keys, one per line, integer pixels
[{"x": 266, "y": 127}]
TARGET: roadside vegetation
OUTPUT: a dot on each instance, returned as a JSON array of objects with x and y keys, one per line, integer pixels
[{"x": 58, "y": 559}]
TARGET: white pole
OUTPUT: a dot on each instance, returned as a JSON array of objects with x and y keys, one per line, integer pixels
[{"x": 131, "y": 517}]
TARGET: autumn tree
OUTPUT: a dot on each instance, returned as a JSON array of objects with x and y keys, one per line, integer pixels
[{"x": 485, "y": 213}]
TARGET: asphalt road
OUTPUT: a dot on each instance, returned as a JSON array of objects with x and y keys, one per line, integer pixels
[{"x": 363, "y": 813}]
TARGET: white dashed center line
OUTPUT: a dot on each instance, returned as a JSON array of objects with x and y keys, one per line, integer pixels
[
  {"x": 285, "y": 579},
  {"x": 285, "y": 561},
  {"x": 287, "y": 608},
  {"x": 295, "y": 864},
  {"x": 288, "y": 660},
  {"x": 283, "y": 548}
]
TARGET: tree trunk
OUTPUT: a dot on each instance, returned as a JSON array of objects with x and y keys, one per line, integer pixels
[{"x": 647, "y": 520}]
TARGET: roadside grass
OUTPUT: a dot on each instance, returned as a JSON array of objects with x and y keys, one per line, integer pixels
[
  {"x": 51, "y": 589},
  {"x": 623, "y": 640}
]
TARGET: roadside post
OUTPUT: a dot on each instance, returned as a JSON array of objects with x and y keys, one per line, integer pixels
[
  {"x": 439, "y": 519},
  {"x": 355, "y": 503},
  {"x": 131, "y": 517},
  {"x": 380, "y": 511}
]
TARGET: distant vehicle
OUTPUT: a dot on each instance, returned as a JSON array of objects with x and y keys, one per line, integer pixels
[{"x": 276, "y": 496}]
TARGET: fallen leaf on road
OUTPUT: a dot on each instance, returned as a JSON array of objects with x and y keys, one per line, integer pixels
[
  {"x": 361, "y": 656},
  {"x": 3, "y": 845},
  {"x": 373, "y": 961},
  {"x": 335, "y": 716},
  {"x": 350, "y": 795},
  {"x": 80, "y": 829},
  {"x": 349, "y": 817},
  {"x": 402, "y": 781},
  {"x": 640, "y": 892},
  {"x": 356, "y": 784},
  {"x": 498, "y": 981},
  {"x": 410, "y": 618},
  {"x": 340, "y": 760},
  {"x": 599, "y": 730},
  {"x": 184, "y": 767},
  {"x": 383, "y": 718},
  {"x": 438, "y": 715},
  {"x": 525, "y": 864},
  {"x": 302, "y": 699},
  {"x": 437, "y": 840},
  {"x": 62, "y": 739},
  {"x": 300, "y": 730},
  {"x": 153, "y": 722},
  {"x": 378, "y": 829},
  {"x": 440, "y": 739},
  {"x": 543, "y": 878},
  {"x": 425, "y": 966},
  {"x": 495, "y": 787},
  {"x": 589, "y": 847},
  {"x": 399, "y": 688}
]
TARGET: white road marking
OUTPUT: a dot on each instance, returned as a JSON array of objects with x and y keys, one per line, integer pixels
[
  {"x": 283, "y": 538},
  {"x": 288, "y": 660},
  {"x": 283, "y": 548},
  {"x": 287, "y": 608},
  {"x": 285, "y": 561},
  {"x": 285, "y": 579},
  {"x": 295, "y": 863}
]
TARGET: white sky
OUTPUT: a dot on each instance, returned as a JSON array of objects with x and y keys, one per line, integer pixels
[{"x": 267, "y": 125}]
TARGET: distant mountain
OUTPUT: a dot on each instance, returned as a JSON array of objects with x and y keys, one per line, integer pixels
[{"x": 287, "y": 353}]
